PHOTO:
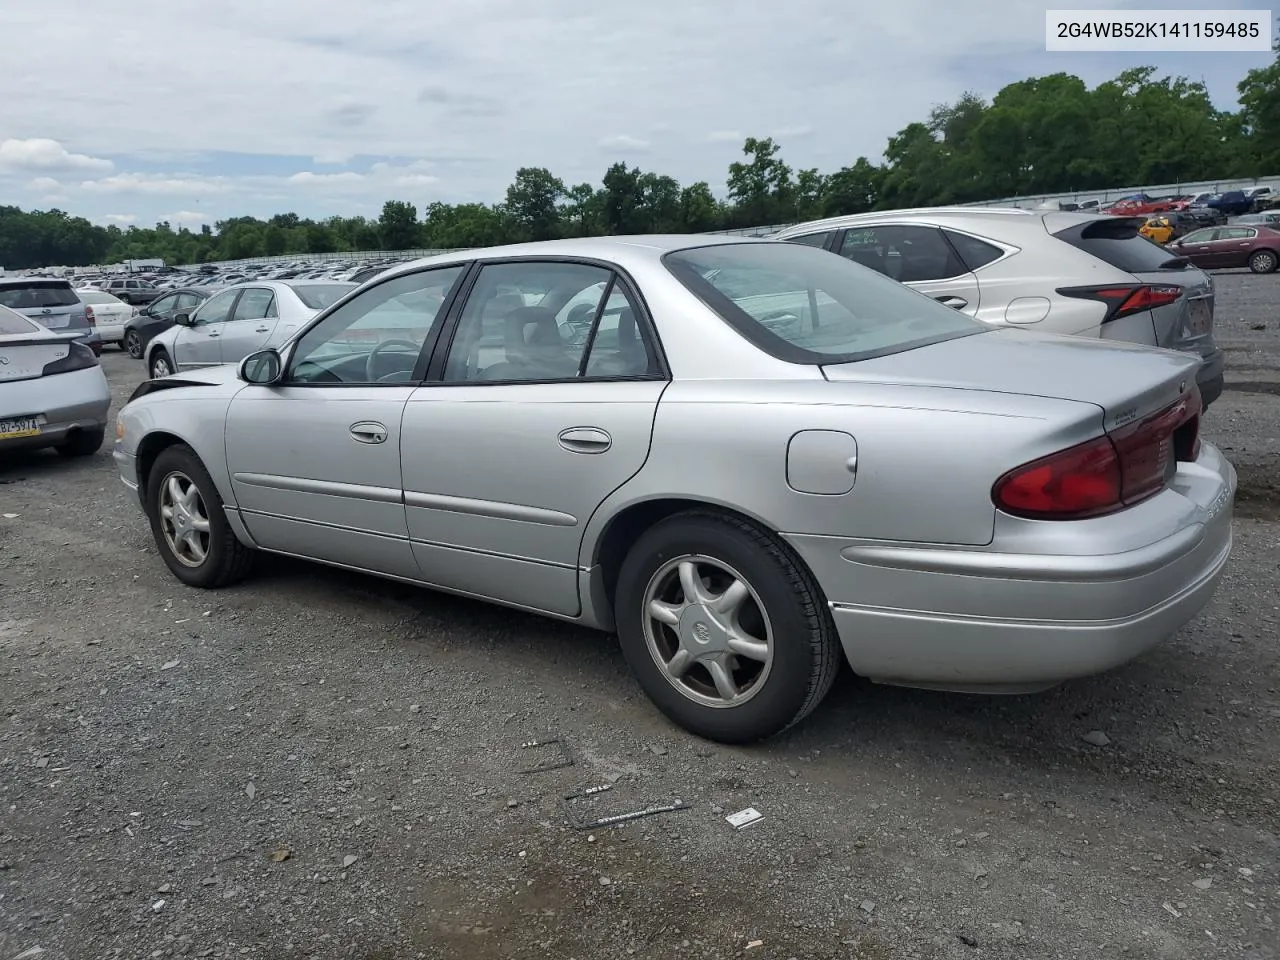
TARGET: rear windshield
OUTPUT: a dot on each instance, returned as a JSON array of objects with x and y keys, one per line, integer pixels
[
  {"x": 37, "y": 293},
  {"x": 803, "y": 305},
  {"x": 96, "y": 296},
  {"x": 317, "y": 296},
  {"x": 1117, "y": 241},
  {"x": 14, "y": 323}
]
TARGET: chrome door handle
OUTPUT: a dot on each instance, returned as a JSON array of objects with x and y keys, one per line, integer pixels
[
  {"x": 261, "y": 329},
  {"x": 214, "y": 333},
  {"x": 585, "y": 440},
  {"x": 368, "y": 431},
  {"x": 955, "y": 303}
]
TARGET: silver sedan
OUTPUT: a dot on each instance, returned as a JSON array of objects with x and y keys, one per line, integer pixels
[
  {"x": 744, "y": 457},
  {"x": 235, "y": 322},
  {"x": 52, "y": 390}
]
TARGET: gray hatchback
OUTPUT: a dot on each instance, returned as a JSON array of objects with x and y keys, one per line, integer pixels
[{"x": 53, "y": 304}]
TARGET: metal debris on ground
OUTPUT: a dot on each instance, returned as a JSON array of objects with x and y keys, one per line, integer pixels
[
  {"x": 744, "y": 818},
  {"x": 563, "y": 756},
  {"x": 594, "y": 823}
]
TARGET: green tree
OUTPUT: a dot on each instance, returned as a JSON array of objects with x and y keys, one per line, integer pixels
[
  {"x": 699, "y": 211},
  {"x": 761, "y": 188},
  {"x": 533, "y": 202},
  {"x": 274, "y": 241},
  {"x": 398, "y": 225},
  {"x": 1259, "y": 118}
]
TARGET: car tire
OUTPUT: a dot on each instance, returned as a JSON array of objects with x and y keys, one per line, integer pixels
[
  {"x": 780, "y": 614},
  {"x": 1263, "y": 261},
  {"x": 133, "y": 343},
  {"x": 83, "y": 443},
  {"x": 181, "y": 498},
  {"x": 160, "y": 365}
]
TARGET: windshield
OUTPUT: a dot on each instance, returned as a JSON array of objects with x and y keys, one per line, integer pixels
[
  {"x": 37, "y": 293},
  {"x": 805, "y": 305},
  {"x": 317, "y": 296}
]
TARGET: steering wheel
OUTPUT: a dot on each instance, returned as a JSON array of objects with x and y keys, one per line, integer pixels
[{"x": 370, "y": 366}]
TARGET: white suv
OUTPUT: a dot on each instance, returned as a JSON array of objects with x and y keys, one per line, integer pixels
[{"x": 1082, "y": 274}]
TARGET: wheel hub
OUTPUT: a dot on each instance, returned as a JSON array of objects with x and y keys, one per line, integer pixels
[{"x": 701, "y": 633}]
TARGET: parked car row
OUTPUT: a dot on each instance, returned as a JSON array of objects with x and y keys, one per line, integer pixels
[
  {"x": 1226, "y": 204},
  {"x": 748, "y": 458}
]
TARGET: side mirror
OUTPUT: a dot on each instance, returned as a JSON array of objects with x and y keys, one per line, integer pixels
[
  {"x": 262, "y": 368},
  {"x": 182, "y": 319}
]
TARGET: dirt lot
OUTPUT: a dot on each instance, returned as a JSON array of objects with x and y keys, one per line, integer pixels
[{"x": 321, "y": 765}]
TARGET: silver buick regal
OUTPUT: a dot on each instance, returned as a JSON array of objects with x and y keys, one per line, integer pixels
[{"x": 742, "y": 456}]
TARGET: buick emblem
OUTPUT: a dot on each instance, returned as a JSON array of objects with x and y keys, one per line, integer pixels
[{"x": 701, "y": 633}]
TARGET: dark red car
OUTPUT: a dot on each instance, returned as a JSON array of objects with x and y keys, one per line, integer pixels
[{"x": 1255, "y": 246}]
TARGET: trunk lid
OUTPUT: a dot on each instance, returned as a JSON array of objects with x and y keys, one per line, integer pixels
[
  {"x": 1186, "y": 324},
  {"x": 24, "y": 357},
  {"x": 1127, "y": 381}
]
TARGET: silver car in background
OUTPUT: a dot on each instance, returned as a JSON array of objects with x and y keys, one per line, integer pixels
[
  {"x": 755, "y": 456},
  {"x": 52, "y": 390},
  {"x": 235, "y": 322},
  {"x": 53, "y": 304},
  {"x": 1071, "y": 273}
]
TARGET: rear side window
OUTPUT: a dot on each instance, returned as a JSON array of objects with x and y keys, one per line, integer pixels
[
  {"x": 320, "y": 295},
  {"x": 37, "y": 293},
  {"x": 15, "y": 323},
  {"x": 1118, "y": 243},
  {"x": 974, "y": 252},
  {"x": 812, "y": 239}
]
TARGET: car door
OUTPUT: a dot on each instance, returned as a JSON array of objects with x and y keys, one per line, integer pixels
[
  {"x": 916, "y": 255},
  {"x": 1197, "y": 246},
  {"x": 1233, "y": 246},
  {"x": 315, "y": 458},
  {"x": 525, "y": 427},
  {"x": 250, "y": 324},
  {"x": 197, "y": 342}
]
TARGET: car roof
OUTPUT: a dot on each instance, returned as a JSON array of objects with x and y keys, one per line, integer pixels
[
  {"x": 15, "y": 281},
  {"x": 622, "y": 250}
]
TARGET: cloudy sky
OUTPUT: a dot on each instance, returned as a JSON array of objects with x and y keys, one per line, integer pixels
[{"x": 194, "y": 110}]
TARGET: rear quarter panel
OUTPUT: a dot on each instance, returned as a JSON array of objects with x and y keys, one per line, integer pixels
[{"x": 926, "y": 457}]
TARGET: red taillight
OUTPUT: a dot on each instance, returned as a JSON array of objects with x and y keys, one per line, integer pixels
[
  {"x": 1107, "y": 474},
  {"x": 89, "y": 317},
  {"x": 1123, "y": 301}
]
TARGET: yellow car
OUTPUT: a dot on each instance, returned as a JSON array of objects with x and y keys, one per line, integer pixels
[{"x": 1158, "y": 229}]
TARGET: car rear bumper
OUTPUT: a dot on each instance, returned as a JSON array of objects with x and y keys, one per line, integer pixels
[
  {"x": 68, "y": 402},
  {"x": 984, "y": 621}
]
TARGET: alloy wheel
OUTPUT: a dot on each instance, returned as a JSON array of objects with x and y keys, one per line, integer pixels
[{"x": 184, "y": 519}]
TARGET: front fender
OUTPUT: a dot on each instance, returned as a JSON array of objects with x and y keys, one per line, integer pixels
[{"x": 192, "y": 415}]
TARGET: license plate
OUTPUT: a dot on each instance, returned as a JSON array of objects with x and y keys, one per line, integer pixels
[
  {"x": 1200, "y": 320},
  {"x": 16, "y": 427}
]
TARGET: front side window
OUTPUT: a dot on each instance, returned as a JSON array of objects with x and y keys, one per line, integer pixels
[
  {"x": 1199, "y": 236},
  {"x": 165, "y": 306},
  {"x": 378, "y": 336},
  {"x": 216, "y": 309},
  {"x": 803, "y": 306}
]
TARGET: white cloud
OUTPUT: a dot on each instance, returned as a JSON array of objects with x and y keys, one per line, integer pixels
[
  {"x": 185, "y": 218},
  {"x": 158, "y": 184},
  {"x": 624, "y": 144},
  {"x": 783, "y": 132},
  {"x": 41, "y": 153},
  {"x": 483, "y": 87},
  {"x": 118, "y": 219},
  {"x": 45, "y": 184}
]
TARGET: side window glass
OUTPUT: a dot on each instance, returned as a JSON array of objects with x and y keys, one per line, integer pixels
[
  {"x": 917, "y": 254},
  {"x": 811, "y": 240},
  {"x": 377, "y": 336},
  {"x": 165, "y": 306},
  {"x": 216, "y": 309},
  {"x": 254, "y": 304},
  {"x": 619, "y": 348},
  {"x": 509, "y": 330},
  {"x": 974, "y": 252},
  {"x": 863, "y": 246}
]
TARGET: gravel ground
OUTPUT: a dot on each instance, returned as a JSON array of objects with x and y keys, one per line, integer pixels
[{"x": 316, "y": 764}]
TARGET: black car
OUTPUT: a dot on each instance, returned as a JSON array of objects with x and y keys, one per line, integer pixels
[
  {"x": 157, "y": 317},
  {"x": 1232, "y": 203}
]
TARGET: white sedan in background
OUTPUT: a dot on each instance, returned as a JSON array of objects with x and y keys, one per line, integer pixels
[
  {"x": 110, "y": 314},
  {"x": 238, "y": 321}
]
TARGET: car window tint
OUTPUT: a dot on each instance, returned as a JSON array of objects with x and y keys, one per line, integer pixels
[
  {"x": 905, "y": 253},
  {"x": 188, "y": 301},
  {"x": 318, "y": 296},
  {"x": 619, "y": 346},
  {"x": 812, "y": 239},
  {"x": 1117, "y": 242},
  {"x": 216, "y": 309},
  {"x": 1199, "y": 236},
  {"x": 807, "y": 307},
  {"x": 254, "y": 304},
  {"x": 974, "y": 252},
  {"x": 509, "y": 329},
  {"x": 12, "y": 323},
  {"x": 32, "y": 294},
  {"x": 378, "y": 336}
]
